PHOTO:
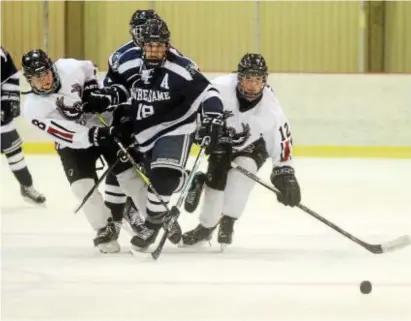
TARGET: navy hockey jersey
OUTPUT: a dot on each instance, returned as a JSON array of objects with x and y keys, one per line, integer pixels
[
  {"x": 165, "y": 101},
  {"x": 125, "y": 65},
  {"x": 10, "y": 81}
]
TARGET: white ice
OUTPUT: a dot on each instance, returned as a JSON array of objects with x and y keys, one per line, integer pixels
[{"x": 283, "y": 265}]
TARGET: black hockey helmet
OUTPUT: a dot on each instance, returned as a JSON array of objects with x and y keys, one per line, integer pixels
[
  {"x": 155, "y": 42},
  {"x": 252, "y": 74},
  {"x": 39, "y": 70},
  {"x": 137, "y": 21}
]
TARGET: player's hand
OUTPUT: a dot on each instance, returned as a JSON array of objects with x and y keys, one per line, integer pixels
[
  {"x": 212, "y": 127},
  {"x": 10, "y": 108},
  {"x": 284, "y": 180},
  {"x": 100, "y": 136},
  {"x": 99, "y": 100}
]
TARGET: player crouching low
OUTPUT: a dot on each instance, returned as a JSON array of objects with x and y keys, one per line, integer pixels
[{"x": 249, "y": 99}]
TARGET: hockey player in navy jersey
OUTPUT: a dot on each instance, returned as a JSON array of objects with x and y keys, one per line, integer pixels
[
  {"x": 250, "y": 101},
  {"x": 161, "y": 118},
  {"x": 124, "y": 67},
  {"x": 10, "y": 139}
]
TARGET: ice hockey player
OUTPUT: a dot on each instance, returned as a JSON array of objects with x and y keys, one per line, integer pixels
[
  {"x": 10, "y": 139},
  {"x": 161, "y": 118},
  {"x": 53, "y": 106},
  {"x": 248, "y": 98},
  {"x": 124, "y": 67}
]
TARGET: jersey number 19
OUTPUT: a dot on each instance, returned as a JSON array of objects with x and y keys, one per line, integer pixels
[{"x": 144, "y": 111}]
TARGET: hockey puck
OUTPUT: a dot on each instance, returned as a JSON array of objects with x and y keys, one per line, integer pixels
[{"x": 366, "y": 287}]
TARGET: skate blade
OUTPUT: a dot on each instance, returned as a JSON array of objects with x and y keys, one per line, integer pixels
[
  {"x": 223, "y": 246},
  {"x": 109, "y": 247},
  {"x": 198, "y": 244},
  {"x": 136, "y": 251}
]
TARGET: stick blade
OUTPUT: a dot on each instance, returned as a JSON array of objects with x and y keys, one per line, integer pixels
[{"x": 396, "y": 244}]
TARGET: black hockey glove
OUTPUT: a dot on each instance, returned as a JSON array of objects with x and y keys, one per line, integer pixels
[
  {"x": 10, "y": 108},
  {"x": 212, "y": 127},
  {"x": 100, "y": 136},
  {"x": 284, "y": 180},
  {"x": 123, "y": 123},
  {"x": 99, "y": 100},
  {"x": 89, "y": 87}
]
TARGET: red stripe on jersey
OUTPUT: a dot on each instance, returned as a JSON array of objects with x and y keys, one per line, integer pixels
[
  {"x": 286, "y": 151},
  {"x": 55, "y": 131}
]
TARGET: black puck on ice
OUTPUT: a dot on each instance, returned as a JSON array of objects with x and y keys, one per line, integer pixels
[{"x": 366, "y": 287}]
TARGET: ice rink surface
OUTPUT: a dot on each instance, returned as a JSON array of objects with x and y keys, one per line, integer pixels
[{"x": 283, "y": 265}]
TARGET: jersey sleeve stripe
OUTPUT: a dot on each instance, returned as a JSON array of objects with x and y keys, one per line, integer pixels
[
  {"x": 177, "y": 69},
  {"x": 62, "y": 128},
  {"x": 59, "y": 134}
]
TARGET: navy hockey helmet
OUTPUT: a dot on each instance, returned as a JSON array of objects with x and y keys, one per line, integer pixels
[
  {"x": 155, "y": 42},
  {"x": 40, "y": 72},
  {"x": 137, "y": 21},
  {"x": 252, "y": 74}
]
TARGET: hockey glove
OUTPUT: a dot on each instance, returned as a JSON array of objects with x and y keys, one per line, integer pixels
[
  {"x": 89, "y": 87},
  {"x": 212, "y": 127},
  {"x": 99, "y": 100},
  {"x": 100, "y": 136},
  {"x": 284, "y": 180},
  {"x": 10, "y": 108},
  {"x": 123, "y": 122}
]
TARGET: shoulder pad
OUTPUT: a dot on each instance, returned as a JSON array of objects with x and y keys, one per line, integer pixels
[
  {"x": 192, "y": 69},
  {"x": 115, "y": 61}
]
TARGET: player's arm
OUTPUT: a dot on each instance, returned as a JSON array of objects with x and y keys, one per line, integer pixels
[
  {"x": 65, "y": 132},
  {"x": 90, "y": 78},
  {"x": 283, "y": 174},
  {"x": 10, "y": 89},
  {"x": 114, "y": 92}
]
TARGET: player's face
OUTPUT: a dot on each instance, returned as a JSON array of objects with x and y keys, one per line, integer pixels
[
  {"x": 155, "y": 50},
  {"x": 252, "y": 84},
  {"x": 43, "y": 81}
]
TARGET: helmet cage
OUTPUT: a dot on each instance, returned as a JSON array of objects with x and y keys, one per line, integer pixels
[{"x": 251, "y": 74}]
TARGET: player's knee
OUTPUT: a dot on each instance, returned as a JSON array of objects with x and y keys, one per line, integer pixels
[
  {"x": 165, "y": 180},
  {"x": 218, "y": 167},
  {"x": 248, "y": 163}
]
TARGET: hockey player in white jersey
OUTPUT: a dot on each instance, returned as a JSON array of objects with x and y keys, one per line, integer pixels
[
  {"x": 10, "y": 139},
  {"x": 53, "y": 106},
  {"x": 247, "y": 97}
]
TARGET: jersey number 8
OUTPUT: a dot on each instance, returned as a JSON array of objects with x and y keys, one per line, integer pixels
[{"x": 38, "y": 124}]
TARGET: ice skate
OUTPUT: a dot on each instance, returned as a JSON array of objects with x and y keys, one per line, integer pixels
[
  {"x": 31, "y": 195},
  {"x": 226, "y": 231},
  {"x": 145, "y": 237},
  {"x": 197, "y": 236},
  {"x": 106, "y": 239}
]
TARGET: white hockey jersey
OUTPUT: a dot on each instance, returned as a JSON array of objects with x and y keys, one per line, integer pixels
[
  {"x": 266, "y": 120},
  {"x": 45, "y": 112}
]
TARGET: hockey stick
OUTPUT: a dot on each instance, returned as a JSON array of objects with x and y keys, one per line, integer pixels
[
  {"x": 175, "y": 210},
  {"x": 96, "y": 185},
  {"x": 390, "y": 246}
]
